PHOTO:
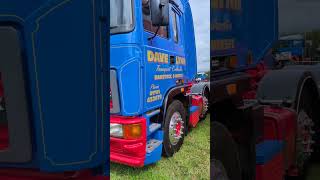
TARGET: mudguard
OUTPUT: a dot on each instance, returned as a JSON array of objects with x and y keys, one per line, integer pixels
[
  {"x": 200, "y": 88},
  {"x": 283, "y": 86}
]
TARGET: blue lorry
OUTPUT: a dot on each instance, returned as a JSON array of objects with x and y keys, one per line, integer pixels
[
  {"x": 290, "y": 48},
  {"x": 201, "y": 76},
  {"x": 265, "y": 123},
  {"x": 153, "y": 63},
  {"x": 294, "y": 44},
  {"x": 54, "y": 68}
]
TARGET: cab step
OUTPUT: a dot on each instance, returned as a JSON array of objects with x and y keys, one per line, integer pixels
[
  {"x": 154, "y": 127},
  {"x": 152, "y": 145}
]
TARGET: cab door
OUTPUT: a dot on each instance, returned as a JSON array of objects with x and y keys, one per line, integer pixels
[
  {"x": 177, "y": 59},
  {"x": 164, "y": 57},
  {"x": 66, "y": 65}
]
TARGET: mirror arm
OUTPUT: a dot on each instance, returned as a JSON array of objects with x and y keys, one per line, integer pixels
[
  {"x": 155, "y": 34},
  {"x": 161, "y": 5},
  {"x": 174, "y": 3}
]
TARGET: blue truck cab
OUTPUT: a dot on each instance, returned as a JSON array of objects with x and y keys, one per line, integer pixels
[
  {"x": 290, "y": 47},
  {"x": 153, "y": 62},
  {"x": 53, "y": 64}
]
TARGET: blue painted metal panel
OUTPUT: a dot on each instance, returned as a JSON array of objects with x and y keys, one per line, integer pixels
[
  {"x": 242, "y": 28},
  {"x": 190, "y": 42},
  {"x": 193, "y": 109},
  {"x": 64, "y": 60},
  {"x": 126, "y": 59},
  {"x": 146, "y": 83},
  {"x": 155, "y": 155},
  {"x": 266, "y": 150}
]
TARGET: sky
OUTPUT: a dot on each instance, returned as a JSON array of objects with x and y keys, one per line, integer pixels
[
  {"x": 296, "y": 16},
  {"x": 201, "y": 18}
]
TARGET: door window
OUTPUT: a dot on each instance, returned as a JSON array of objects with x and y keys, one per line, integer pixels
[
  {"x": 147, "y": 23},
  {"x": 175, "y": 27}
]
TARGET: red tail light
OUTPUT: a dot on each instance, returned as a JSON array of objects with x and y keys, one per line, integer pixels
[{"x": 189, "y": 85}]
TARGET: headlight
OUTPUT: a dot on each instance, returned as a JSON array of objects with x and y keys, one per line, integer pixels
[
  {"x": 116, "y": 130},
  {"x": 127, "y": 131}
]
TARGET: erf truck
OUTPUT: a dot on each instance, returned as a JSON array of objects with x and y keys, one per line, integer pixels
[
  {"x": 54, "y": 89},
  {"x": 265, "y": 123},
  {"x": 153, "y": 63}
]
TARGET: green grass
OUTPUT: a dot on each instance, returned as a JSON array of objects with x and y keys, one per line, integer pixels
[
  {"x": 191, "y": 162},
  {"x": 313, "y": 172}
]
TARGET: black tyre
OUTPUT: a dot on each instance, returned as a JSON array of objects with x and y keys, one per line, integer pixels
[
  {"x": 174, "y": 128},
  {"x": 217, "y": 171},
  {"x": 305, "y": 129},
  {"x": 206, "y": 106},
  {"x": 225, "y": 150}
]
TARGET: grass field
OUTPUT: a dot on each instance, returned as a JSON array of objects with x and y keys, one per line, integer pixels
[
  {"x": 313, "y": 172},
  {"x": 191, "y": 162}
]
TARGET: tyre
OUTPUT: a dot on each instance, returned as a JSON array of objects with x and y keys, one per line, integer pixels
[
  {"x": 205, "y": 106},
  {"x": 217, "y": 171},
  {"x": 174, "y": 128},
  {"x": 305, "y": 129},
  {"x": 225, "y": 151}
]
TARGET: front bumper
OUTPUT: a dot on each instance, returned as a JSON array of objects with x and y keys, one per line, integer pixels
[{"x": 129, "y": 152}]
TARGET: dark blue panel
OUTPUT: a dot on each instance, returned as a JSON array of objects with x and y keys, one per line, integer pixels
[
  {"x": 67, "y": 83},
  {"x": 263, "y": 26},
  {"x": 19, "y": 9},
  {"x": 247, "y": 27},
  {"x": 66, "y": 72}
]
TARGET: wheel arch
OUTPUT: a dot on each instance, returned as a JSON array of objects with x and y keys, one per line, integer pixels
[
  {"x": 175, "y": 93},
  {"x": 201, "y": 88},
  {"x": 286, "y": 85}
]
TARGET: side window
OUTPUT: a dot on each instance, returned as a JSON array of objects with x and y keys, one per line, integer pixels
[
  {"x": 175, "y": 27},
  {"x": 147, "y": 23}
]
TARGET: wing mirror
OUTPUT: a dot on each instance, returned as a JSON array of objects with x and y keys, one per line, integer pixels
[{"x": 159, "y": 12}]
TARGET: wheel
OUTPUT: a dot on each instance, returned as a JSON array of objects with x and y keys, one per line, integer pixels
[
  {"x": 305, "y": 132},
  {"x": 304, "y": 139},
  {"x": 174, "y": 126},
  {"x": 205, "y": 106},
  {"x": 217, "y": 170},
  {"x": 225, "y": 150}
]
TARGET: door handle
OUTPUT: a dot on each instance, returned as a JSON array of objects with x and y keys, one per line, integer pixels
[{"x": 172, "y": 60}]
